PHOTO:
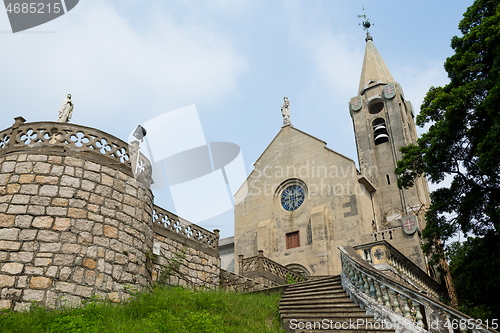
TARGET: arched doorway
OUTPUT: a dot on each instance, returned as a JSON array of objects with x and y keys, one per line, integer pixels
[{"x": 298, "y": 269}]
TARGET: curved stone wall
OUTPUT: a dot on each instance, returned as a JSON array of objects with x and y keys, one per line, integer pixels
[{"x": 70, "y": 227}]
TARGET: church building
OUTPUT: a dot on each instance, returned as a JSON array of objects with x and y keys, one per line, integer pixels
[{"x": 305, "y": 200}]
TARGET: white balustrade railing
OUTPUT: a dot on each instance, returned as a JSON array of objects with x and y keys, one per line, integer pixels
[
  {"x": 260, "y": 263},
  {"x": 58, "y": 137},
  {"x": 400, "y": 305},
  {"x": 406, "y": 269},
  {"x": 172, "y": 222}
]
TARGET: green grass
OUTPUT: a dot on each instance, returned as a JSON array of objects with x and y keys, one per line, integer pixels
[{"x": 168, "y": 309}]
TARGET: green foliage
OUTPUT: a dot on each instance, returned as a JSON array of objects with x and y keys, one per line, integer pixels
[
  {"x": 463, "y": 143},
  {"x": 475, "y": 268},
  {"x": 291, "y": 279},
  {"x": 172, "y": 267},
  {"x": 462, "y": 140},
  {"x": 166, "y": 309}
]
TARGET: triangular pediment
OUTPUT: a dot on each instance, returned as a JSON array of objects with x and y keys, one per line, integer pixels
[{"x": 293, "y": 145}]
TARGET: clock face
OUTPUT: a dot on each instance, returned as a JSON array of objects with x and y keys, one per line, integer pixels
[{"x": 292, "y": 197}]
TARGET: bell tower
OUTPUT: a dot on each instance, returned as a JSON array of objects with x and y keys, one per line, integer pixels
[{"x": 383, "y": 123}]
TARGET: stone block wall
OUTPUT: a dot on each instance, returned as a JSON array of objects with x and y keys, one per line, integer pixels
[
  {"x": 200, "y": 266},
  {"x": 70, "y": 228}
]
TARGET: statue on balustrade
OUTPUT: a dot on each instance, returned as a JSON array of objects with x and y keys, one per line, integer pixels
[{"x": 66, "y": 110}]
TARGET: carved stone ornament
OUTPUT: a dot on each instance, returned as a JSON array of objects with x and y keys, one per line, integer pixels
[
  {"x": 379, "y": 254},
  {"x": 390, "y": 90},
  {"x": 410, "y": 224},
  {"x": 285, "y": 111},
  {"x": 356, "y": 103}
]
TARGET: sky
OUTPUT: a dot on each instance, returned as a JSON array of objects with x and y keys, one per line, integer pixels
[{"x": 126, "y": 62}]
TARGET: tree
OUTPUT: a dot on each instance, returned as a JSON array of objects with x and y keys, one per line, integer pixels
[
  {"x": 477, "y": 288},
  {"x": 478, "y": 295},
  {"x": 463, "y": 140}
]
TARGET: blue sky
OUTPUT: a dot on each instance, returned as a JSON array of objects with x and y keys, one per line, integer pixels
[{"x": 128, "y": 61}]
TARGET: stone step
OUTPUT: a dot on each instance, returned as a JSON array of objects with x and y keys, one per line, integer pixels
[
  {"x": 365, "y": 323},
  {"x": 312, "y": 282},
  {"x": 320, "y": 325},
  {"x": 323, "y": 287},
  {"x": 344, "y": 308},
  {"x": 339, "y": 291},
  {"x": 304, "y": 301},
  {"x": 308, "y": 284},
  {"x": 317, "y": 300},
  {"x": 331, "y": 277},
  {"x": 317, "y": 306},
  {"x": 323, "y": 312},
  {"x": 334, "y": 315},
  {"x": 328, "y": 297},
  {"x": 309, "y": 326}
]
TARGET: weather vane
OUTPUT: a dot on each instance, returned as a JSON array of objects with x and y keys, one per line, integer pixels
[{"x": 366, "y": 23}]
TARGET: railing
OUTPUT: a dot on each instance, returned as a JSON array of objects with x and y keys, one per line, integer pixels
[
  {"x": 184, "y": 228},
  {"x": 260, "y": 263},
  {"x": 74, "y": 137},
  {"x": 386, "y": 234},
  {"x": 416, "y": 275},
  {"x": 400, "y": 265},
  {"x": 234, "y": 282},
  {"x": 391, "y": 301}
]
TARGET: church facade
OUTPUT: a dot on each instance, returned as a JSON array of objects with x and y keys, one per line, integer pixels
[{"x": 304, "y": 199}]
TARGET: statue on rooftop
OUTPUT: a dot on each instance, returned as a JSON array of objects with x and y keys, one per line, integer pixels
[
  {"x": 285, "y": 111},
  {"x": 66, "y": 110}
]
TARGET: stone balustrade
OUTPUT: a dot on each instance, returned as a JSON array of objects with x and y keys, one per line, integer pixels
[
  {"x": 266, "y": 269},
  {"x": 57, "y": 137},
  {"x": 200, "y": 265},
  {"x": 173, "y": 223},
  {"x": 77, "y": 222},
  {"x": 234, "y": 282},
  {"x": 397, "y": 305},
  {"x": 386, "y": 234},
  {"x": 388, "y": 259}
]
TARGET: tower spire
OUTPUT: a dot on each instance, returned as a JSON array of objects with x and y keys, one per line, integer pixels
[{"x": 374, "y": 69}]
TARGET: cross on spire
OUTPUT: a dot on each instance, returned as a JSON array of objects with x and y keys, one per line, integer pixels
[{"x": 366, "y": 24}]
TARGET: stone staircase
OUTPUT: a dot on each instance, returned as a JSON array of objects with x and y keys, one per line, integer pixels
[{"x": 322, "y": 305}]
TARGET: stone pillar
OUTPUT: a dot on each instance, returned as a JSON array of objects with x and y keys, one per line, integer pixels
[
  {"x": 260, "y": 260},
  {"x": 240, "y": 264}
]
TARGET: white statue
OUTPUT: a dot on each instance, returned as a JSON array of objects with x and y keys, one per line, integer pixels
[
  {"x": 66, "y": 110},
  {"x": 285, "y": 111}
]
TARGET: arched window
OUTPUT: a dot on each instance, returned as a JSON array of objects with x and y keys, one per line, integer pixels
[
  {"x": 375, "y": 104},
  {"x": 380, "y": 131}
]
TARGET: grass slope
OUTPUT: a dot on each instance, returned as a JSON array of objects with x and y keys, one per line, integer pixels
[{"x": 168, "y": 309}]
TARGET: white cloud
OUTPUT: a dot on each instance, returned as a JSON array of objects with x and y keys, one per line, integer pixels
[
  {"x": 337, "y": 62},
  {"x": 111, "y": 67}
]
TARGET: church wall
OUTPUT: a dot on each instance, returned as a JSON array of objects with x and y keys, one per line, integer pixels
[
  {"x": 70, "y": 229},
  {"x": 336, "y": 210}
]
